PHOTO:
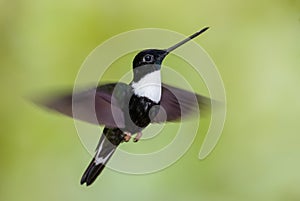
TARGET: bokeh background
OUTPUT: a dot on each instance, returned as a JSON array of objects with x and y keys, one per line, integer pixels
[{"x": 256, "y": 46}]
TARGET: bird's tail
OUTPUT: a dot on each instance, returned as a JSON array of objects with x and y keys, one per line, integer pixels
[{"x": 104, "y": 151}]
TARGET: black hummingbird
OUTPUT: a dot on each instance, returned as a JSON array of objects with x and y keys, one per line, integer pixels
[{"x": 126, "y": 109}]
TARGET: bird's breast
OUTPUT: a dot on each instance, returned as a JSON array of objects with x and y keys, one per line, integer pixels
[{"x": 141, "y": 109}]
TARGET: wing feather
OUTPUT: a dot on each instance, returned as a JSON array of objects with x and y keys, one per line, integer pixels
[
  {"x": 178, "y": 104},
  {"x": 96, "y": 106}
]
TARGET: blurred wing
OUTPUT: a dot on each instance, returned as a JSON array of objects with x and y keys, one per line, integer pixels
[
  {"x": 178, "y": 103},
  {"x": 96, "y": 106}
]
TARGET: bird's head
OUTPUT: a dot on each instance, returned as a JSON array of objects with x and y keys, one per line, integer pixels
[
  {"x": 149, "y": 57},
  {"x": 147, "y": 61},
  {"x": 150, "y": 60}
]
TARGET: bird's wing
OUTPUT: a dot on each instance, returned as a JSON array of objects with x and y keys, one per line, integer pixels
[
  {"x": 177, "y": 104},
  {"x": 96, "y": 106}
]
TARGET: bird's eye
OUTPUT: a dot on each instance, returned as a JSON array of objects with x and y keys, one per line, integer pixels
[{"x": 148, "y": 58}]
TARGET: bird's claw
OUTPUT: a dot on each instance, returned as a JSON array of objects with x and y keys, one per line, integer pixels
[
  {"x": 137, "y": 137},
  {"x": 127, "y": 136}
]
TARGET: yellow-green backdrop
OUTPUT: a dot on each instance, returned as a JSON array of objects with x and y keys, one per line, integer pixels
[{"x": 256, "y": 46}]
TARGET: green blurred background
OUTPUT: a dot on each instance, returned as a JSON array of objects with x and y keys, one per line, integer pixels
[{"x": 256, "y": 46}]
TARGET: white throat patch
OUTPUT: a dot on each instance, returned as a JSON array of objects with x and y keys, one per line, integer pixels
[{"x": 149, "y": 86}]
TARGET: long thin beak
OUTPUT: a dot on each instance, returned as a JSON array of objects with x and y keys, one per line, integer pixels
[{"x": 186, "y": 40}]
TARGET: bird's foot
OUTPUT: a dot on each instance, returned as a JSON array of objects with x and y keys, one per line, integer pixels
[
  {"x": 137, "y": 137},
  {"x": 127, "y": 136}
]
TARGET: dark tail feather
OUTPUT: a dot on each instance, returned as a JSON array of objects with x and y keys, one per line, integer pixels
[
  {"x": 104, "y": 151},
  {"x": 91, "y": 172}
]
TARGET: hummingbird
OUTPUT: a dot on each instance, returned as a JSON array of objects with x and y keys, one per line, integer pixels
[{"x": 126, "y": 109}]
